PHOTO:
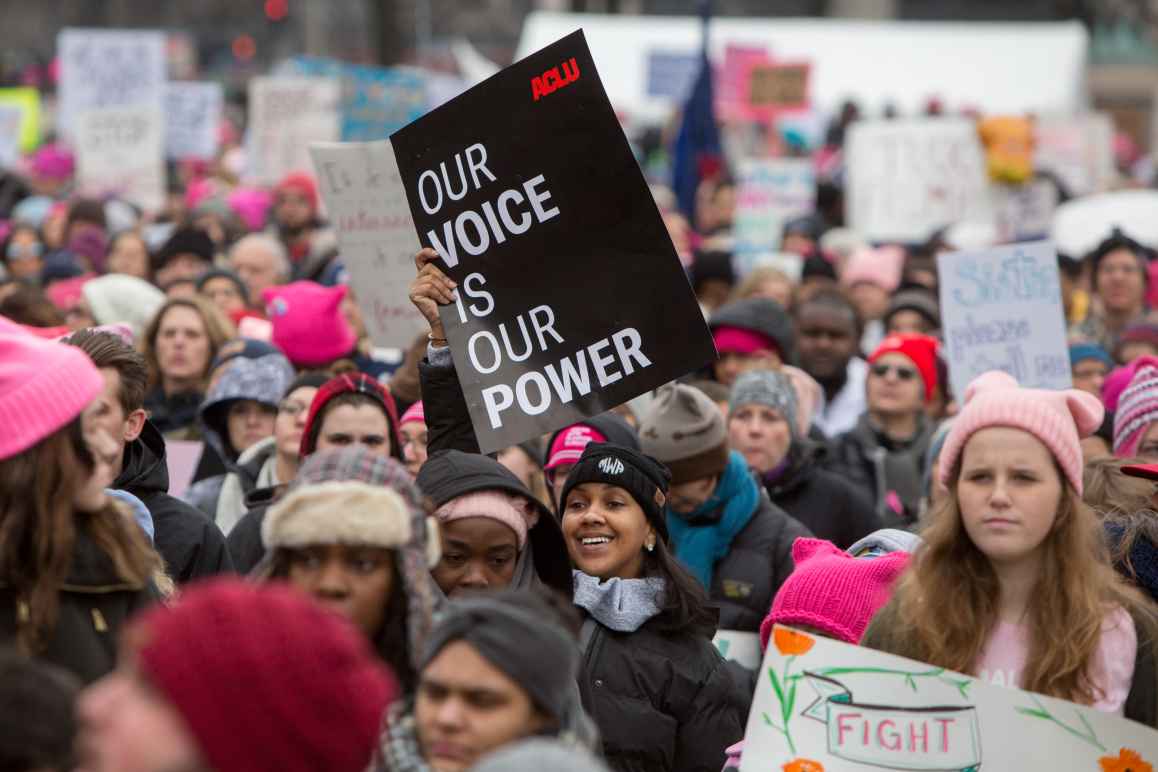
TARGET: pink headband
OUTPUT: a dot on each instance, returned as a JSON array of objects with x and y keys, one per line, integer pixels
[
  {"x": 512, "y": 511},
  {"x": 734, "y": 340}
]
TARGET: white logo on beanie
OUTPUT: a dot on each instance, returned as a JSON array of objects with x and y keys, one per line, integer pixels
[{"x": 610, "y": 465}]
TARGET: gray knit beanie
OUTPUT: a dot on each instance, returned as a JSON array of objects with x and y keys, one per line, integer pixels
[
  {"x": 685, "y": 430},
  {"x": 768, "y": 388}
]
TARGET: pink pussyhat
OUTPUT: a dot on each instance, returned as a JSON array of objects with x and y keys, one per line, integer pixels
[
  {"x": 308, "y": 324},
  {"x": 415, "y": 414},
  {"x": 251, "y": 205},
  {"x": 52, "y": 162},
  {"x": 1059, "y": 419}
]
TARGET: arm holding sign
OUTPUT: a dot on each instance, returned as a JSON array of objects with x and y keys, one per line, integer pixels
[{"x": 448, "y": 421}]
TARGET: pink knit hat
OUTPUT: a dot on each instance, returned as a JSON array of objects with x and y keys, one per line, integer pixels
[
  {"x": 1059, "y": 419},
  {"x": 1119, "y": 378},
  {"x": 414, "y": 414},
  {"x": 1137, "y": 409},
  {"x": 881, "y": 266},
  {"x": 308, "y": 324},
  {"x": 43, "y": 386},
  {"x": 512, "y": 511},
  {"x": 832, "y": 591}
]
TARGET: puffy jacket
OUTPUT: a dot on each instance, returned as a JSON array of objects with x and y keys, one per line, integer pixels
[
  {"x": 887, "y": 470},
  {"x": 663, "y": 701},
  {"x": 830, "y": 507},
  {"x": 448, "y": 424},
  {"x": 192, "y": 546},
  {"x": 94, "y": 604},
  {"x": 448, "y": 474},
  {"x": 746, "y": 579}
]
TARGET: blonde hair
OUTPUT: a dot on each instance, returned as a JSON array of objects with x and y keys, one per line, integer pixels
[
  {"x": 947, "y": 601},
  {"x": 217, "y": 328},
  {"x": 1108, "y": 491},
  {"x": 750, "y": 285}
]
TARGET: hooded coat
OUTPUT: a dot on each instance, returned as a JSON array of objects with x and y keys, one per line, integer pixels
[
  {"x": 829, "y": 506},
  {"x": 448, "y": 474},
  {"x": 763, "y": 316},
  {"x": 191, "y": 545}
]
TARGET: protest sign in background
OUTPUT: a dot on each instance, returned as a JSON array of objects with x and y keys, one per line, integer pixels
[
  {"x": 1023, "y": 212},
  {"x": 739, "y": 647},
  {"x": 1080, "y": 224},
  {"x": 769, "y": 192},
  {"x": 285, "y": 116},
  {"x": 571, "y": 298},
  {"x": 776, "y": 86},
  {"x": 825, "y": 705},
  {"x": 27, "y": 99},
  {"x": 1079, "y": 149},
  {"x": 906, "y": 178},
  {"x": 11, "y": 117},
  {"x": 366, "y": 201},
  {"x": 1001, "y": 309},
  {"x": 181, "y": 459},
  {"x": 376, "y": 101},
  {"x": 120, "y": 152},
  {"x": 192, "y": 119},
  {"x": 670, "y": 74},
  {"x": 108, "y": 68}
]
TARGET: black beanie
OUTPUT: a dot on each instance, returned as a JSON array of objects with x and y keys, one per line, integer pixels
[{"x": 640, "y": 475}]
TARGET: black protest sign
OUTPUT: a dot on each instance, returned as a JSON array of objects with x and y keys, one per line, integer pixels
[{"x": 571, "y": 297}]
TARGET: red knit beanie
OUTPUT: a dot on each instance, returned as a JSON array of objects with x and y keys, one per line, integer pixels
[
  {"x": 301, "y": 183},
  {"x": 832, "y": 591},
  {"x": 921, "y": 350},
  {"x": 266, "y": 679}
]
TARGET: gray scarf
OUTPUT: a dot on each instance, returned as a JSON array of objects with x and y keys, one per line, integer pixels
[{"x": 622, "y": 605}]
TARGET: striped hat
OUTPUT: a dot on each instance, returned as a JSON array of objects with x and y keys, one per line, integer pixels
[{"x": 1137, "y": 409}]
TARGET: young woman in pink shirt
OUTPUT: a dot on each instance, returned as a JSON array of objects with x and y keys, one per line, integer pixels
[{"x": 1013, "y": 584}]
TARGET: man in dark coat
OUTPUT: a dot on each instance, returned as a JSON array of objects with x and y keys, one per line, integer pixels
[{"x": 191, "y": 545}]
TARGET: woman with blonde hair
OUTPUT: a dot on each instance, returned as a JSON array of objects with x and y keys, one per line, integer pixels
[
  {"x": 764, "y": 281},
  {"x": 1013, "y": 583},
  {"x": 179, "y": 345}
]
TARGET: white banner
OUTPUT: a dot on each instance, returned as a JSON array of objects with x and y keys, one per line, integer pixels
[
  {"x": 906, "y": 178},
  {"x": 120, "y": 152},
  {"x": 285, "y": 116},
  {"x": 192, "y": 118},
  {"x": 108, "y": 68}
]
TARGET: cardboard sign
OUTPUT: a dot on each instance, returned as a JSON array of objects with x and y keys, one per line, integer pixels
[
  {"x": 907, "y": 178},
  {"x": 571, "y": 298},
  {"x": 1081, "y": 224},
  {"x": 376, "y": 101},
  {"x": 27, "y": 100},
  {"x": 1001, "y": 309},
  {"x": 770, "y": 191},
  {"x": 285, "y": 116},
  {"x": 1078, "y": 149},
  {"x": 11, "y": 117},
  {"x": 192, "y": 118},
  {"x": 825, "y": 705},
  {"x": 362, "y": 187},
  {"x": 108, "y": 68},
  {"x": 1024, "y": 211},
  {"x": 671, "y": 74},
  {"x": 778, "y": 86},
  {"x": 120, "y": 152},
  {"x": 732, "y": 102},
  {"x": 739, "y": 647},
  {"x": 181, "y": 458}
]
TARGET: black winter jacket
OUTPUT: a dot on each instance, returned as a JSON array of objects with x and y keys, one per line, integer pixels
[
  {"x": 746, "y": 579},
  {"x": 448, "y": 425},
  {"x": 192, "y": 546},
  {"x": 94, "y": 605},
  {"x": 663, "y": 702},
  {"x": 877, "y": 465},
  {"x": 827, "y": 505}
]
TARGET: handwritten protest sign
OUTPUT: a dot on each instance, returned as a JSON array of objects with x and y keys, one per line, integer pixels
[
  {"x": 108, "y": 68},
  {"x": 376, "y": 101},
  {"x": 671, "y": 74},
  {"x": 120, "y": 152},
  {"x": 770, "y": 191},
  {"x": 192, "y": 117},
  {"x": 1001, "y": 309},
  {"x": 27, "y": 100},
  {"x": 739, "y": 647},
  {"x": 825, "y": 705},
  {"x": 285, "y": 116},
  {"x": 1024, "y": 212},
  {"x": 908, "y": 178},
  {"x": 363, "y": 190},
  {"x": 778, "y": 86},
  {"x": 10, "y": 120},
  {"x": 1078, "y": 149},
  {"x": 571, "y": 297}
]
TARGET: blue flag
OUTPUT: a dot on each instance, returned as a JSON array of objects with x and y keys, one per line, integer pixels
[{"x": 697, "y": 146}]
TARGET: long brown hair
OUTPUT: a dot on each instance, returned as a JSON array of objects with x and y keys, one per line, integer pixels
[
  {"x": 948, "y": 599},
  {"x": 217, "y": 328},
  {"x": 39, "y": 525}
]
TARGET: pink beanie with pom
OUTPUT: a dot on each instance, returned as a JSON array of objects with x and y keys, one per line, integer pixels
[
  {"x": 1059, "y": 419},
  {"x": 832, "y": 591}
]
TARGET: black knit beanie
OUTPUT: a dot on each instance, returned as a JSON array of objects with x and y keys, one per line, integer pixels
[{"x": 644, "y": 478}]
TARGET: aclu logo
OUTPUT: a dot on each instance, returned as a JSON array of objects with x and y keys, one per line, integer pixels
[
  {"x": 552, "y": 80},
  {"x": 610, "y": 466}
]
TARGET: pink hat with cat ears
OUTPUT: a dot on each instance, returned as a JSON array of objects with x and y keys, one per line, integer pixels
[{"x": 1059, "y": 419}]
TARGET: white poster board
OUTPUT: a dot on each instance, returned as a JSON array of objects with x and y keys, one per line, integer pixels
[
  {"x": 361, "y": 185},
  {"x": 1001, "y": 309},
  {"x": 285, "y": 116},
  {"x": 192, "y": 118},
  {"x": 1081, "y": 224},
  {"x": 825, "y": 705},
  {"x": 11, "y": 120},
  {"x": 120, "y": 152},
  {"x": 739, "y": 647},
  {"x": 769, "y": 192},
  {"x": 906, "y": 178},
  {"x": 108, "y": 68},
  {"x": 1079, "y": 149}
]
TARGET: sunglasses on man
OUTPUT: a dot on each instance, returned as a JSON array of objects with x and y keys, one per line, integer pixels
[{"x": 882, "y": 370}]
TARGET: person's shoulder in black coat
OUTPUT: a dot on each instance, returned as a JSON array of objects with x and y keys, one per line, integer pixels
[{"x": 827, "y": 504}]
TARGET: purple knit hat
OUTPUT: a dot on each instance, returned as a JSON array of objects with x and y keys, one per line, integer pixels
[{"x": 44, "y": 386}]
